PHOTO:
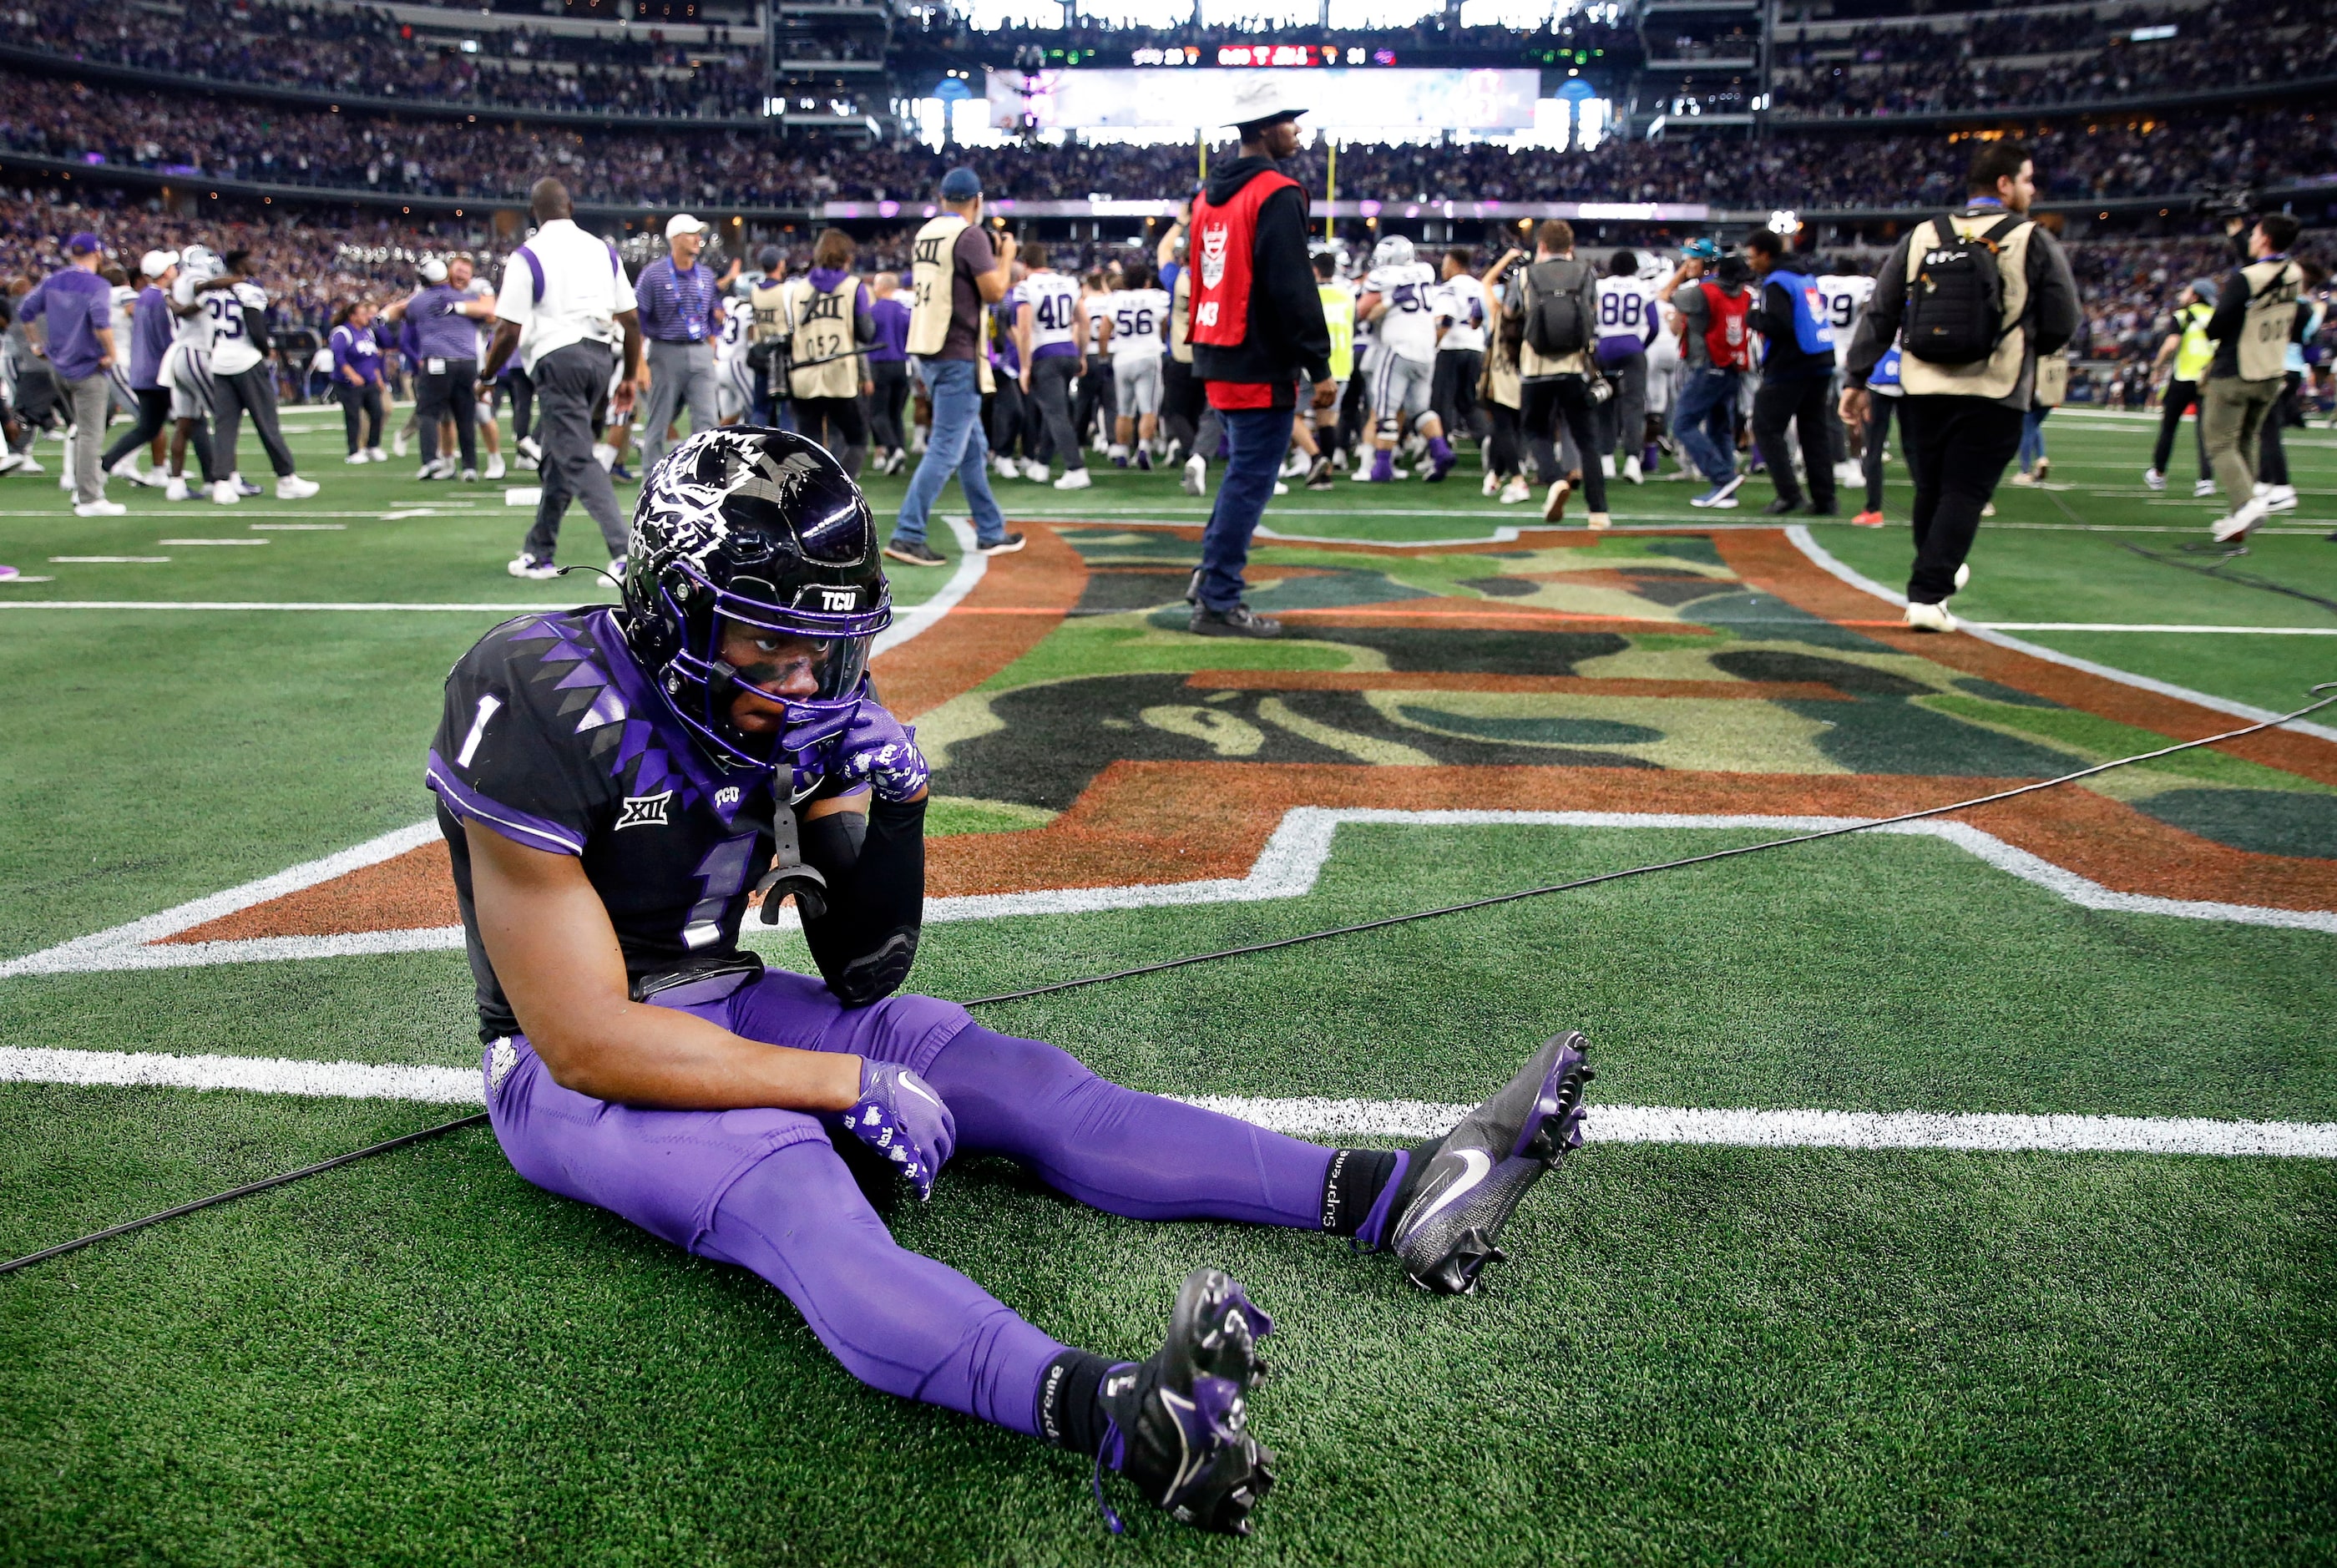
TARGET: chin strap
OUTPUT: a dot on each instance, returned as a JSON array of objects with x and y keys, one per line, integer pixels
[{"x": 789, "y": 876}]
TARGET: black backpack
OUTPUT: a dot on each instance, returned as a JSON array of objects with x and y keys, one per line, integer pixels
[
  {"x": 1555, "y": 323},
  {"x": 1955, "y": 295}
]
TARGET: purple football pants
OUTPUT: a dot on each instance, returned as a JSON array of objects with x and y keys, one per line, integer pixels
[{"x": 766, "y": 1190}]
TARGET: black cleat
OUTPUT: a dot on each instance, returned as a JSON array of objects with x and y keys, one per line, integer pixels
[
  {"x": 1459, "y": 1191},
  {"x": 1179, "y": 1420},
  {"x": 1320, "y": 478}
]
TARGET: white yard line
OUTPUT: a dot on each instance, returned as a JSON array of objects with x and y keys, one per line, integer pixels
[
  {"x": 971, "y": 567},
  {"x": 1315, "y": 1117},
  {"x": 2119, "y": 626},
  {"x": 1826, "y": 560},
  {"x": 1287, "y": 868}
]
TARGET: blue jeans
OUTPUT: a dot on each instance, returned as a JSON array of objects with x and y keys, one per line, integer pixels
[
  {"x": 2032, "y": 438},
  {"x": 1256, "y": 441},
  {"x": 1707, "y": 397},
  {"x": 957, "y": 445}
]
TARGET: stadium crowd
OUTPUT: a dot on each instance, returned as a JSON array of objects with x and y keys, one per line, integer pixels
[
  {"x": 371, "y": 53},
  {"x": 272, "y": 144}
]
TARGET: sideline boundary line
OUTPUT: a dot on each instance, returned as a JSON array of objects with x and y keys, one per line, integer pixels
[
  {"x": 1832, "y": 565},
  {"x": 1286, "y": 868},
  {"x": 1314, "y": 1116}
]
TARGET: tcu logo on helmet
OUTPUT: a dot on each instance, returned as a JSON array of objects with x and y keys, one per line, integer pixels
[
  {"x": 837, "y": 598},
  {"x": 1212, "y": 255}
]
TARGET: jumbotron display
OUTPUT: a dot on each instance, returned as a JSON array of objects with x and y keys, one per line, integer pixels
[{"x": 1482, "y": 101}]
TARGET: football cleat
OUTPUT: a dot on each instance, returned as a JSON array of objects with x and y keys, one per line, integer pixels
[
  {"x": 1458, "y": 1193},
  {"x": 1179, "y": 1422}
]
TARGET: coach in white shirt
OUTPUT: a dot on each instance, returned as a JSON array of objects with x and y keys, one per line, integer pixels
[{"x": 565, "y": 300}]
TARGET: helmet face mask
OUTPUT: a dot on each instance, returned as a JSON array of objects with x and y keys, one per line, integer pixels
[{"x": 753, "y": 565}]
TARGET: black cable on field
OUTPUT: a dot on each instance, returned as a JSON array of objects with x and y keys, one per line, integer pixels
[
  {"x": 1380, "y": 925},
  {"x": 243, "y": 1192}
]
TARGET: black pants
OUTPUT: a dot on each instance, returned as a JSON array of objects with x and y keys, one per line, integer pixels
[
  {"x": 1183, "y": 397},
  {"x": 251, "y": 392},
  {"x": 2272, "y": 457},
  {"x": 1014, "y": 430},
  {"x": 1503, "y": 454},
  {"x": 892, "y": 378},
  {"x": 153, "y": 418},
  {"x": 439, "y": 393},
  {"x": 1452, "y": 391},
  {"x": 1957, "y": 448},
  {"x": 1050, "y": 391},
  {"x": 569, "y": 382},
  {"x": 1878, "y": 432},
  {"x": 1623, "y": 419},
  {"x": 838, "y": 424},
  {"x": 1799, "y": 401},
  {"x": 2179, "y": 393},
  {"x": 1544, "y": 402},
  {"x": 1098, "y": 393},
  {"x": 360, "y": 404},
  {"x": 521, "y": 390}
]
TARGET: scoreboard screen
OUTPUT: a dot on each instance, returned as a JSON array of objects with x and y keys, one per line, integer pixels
[{"x": 1481, "y": 101}]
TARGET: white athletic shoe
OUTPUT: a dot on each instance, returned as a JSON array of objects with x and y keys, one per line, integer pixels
[
  {"x": 127, "y": 472},
  {"x": 225, "y": 494},
  {"x": 1930, "y": 617},
  {"x": 1074, "y": 479},
  {"x": 1553, "y": 505},
  {"x": 1964, "y": 576},
  {"x": 1280, "y": 488},
  {"x": 28, "y": 464},
  {"x": 1988, "y": 509},
  {"x": 176, "y": 489},
  {"x": 470, "y": 476},
  {"x": 397, "y": 443},
  {"x": 1492, "y": 483},
  {"x": 1004, "y": 467},
  {"x": 2280, "y": 498},
  {"x": 1517, "y": 491},
  {"x": 532, "y": 567},
  {"x": 529, "y": 450},
  {"x": 494, "y": 467},
  {"x": 604, "y": 455},
  {"x": 2242, "y": 523},
  {"x": 357, "y": 457},
  {"x": 1631, "y": 471},
  {"x": 99, "y": 508},
  {"x": 292, "y": 487},
  {"x": 2203, "y": 489},
  {"x": 11, "y": 461},
  {"x": 2152, "y": 479},
  {"x": 1034, "y": 470},
  {"x": 1607, "y": 465},
  {"x": 1197, "y": 475},
  {"x": 1295, "y": 464},
  {"x": 375, "y": 454}
]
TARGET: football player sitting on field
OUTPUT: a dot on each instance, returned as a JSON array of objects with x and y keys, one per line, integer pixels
[{"x": 615, "y": 783}]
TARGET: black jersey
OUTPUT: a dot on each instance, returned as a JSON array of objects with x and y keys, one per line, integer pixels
[{"x": 555, "y": 738}]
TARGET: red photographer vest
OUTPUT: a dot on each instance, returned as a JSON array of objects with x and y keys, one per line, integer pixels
[
  {"x": 1224, "y": 244},
  {"x": 1725, "y": 339}
]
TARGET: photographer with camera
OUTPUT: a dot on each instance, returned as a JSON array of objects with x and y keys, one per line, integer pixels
[
  {"x": 1973, "y": 298},
  {"x": 2255, "y": 320},
  {"x": 1556, "y": 374},
  {"x": 1718, "y": 348}
]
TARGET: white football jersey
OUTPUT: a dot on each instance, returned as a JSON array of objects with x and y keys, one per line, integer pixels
[
  {"x": 233, "y": 349},
  {"x": 1093, "y": 308},
  {"x": 1626, "y": 308},
  {"x": 1054, "y": 301},
  {"x": 1461, "y": 300},
  {"x": 123, "y": 297},
  {"x": 1140, "y": 323},
  {"x": 194, "y": 330},
  {"x": 1844, "y": 295},
  {"x": 1409, "y": 291}
]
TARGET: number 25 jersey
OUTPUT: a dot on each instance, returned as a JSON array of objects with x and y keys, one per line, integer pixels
[{"x": 553, "y": 737}]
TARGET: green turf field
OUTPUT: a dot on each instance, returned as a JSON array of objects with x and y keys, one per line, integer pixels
[{"x": 1702, "y": 1352}]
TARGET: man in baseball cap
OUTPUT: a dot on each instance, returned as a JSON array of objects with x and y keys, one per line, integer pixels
[
  {"x": 71, "y": 319},
  {"x": 679, "y": 320},
  {"x": 1257, "y": 331},
  {"x": 154, "y": 263}
]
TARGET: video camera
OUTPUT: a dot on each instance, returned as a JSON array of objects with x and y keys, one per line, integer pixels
[{"x": 2228, "y": 203}]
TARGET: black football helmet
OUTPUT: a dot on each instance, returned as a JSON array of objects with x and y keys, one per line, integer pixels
[{"x": 761, "y": 527}]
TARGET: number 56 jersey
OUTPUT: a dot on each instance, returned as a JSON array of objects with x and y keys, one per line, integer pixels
[{"x": 554, "y": 738}]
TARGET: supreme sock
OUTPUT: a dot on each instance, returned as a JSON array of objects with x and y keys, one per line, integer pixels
[
  {"x": 1351, "y": 1185},
  {"x": 1068, "y": 1405}
]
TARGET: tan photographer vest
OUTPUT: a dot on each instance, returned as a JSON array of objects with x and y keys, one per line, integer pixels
[
  {"x": 2270, "y": 319},
  {"x": 1999, "y": 373},
  {"x": 823, "y": 362}
]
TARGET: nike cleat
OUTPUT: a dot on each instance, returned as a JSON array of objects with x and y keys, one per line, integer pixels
[
  {"x": 1459, "y": 1193},
  {"x": 1180, "y": 1421}
]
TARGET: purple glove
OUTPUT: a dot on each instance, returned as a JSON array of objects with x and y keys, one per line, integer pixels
[
  {"x": 873, "y": 748},
  {"x": 901, "y": 1117}
]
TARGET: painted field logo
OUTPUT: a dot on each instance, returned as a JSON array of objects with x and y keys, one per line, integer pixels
[{"x": 644, "y": 811}]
